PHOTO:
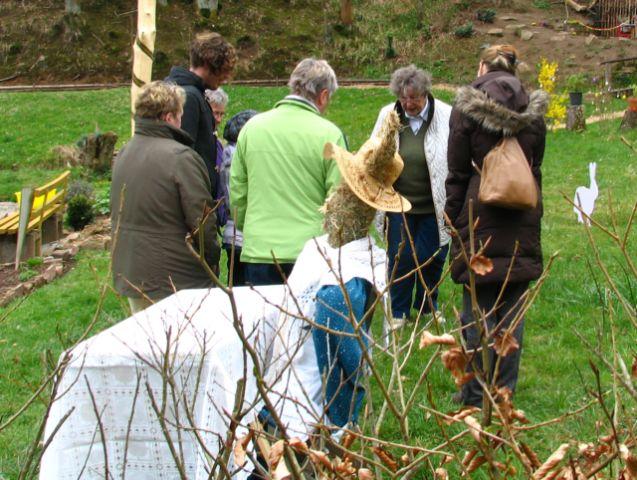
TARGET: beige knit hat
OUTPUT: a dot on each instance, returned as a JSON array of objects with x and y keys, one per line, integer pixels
[{"x": 372, "y": 171}]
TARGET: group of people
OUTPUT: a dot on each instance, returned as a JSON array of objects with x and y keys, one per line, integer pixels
[{"x": 284, "y": 175}]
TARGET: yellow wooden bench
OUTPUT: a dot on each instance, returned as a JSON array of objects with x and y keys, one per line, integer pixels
[{"x": 46, "y": 207}]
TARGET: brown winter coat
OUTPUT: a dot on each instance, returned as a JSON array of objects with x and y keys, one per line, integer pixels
[
  {"x": 166, "y": 188},
  {"x": 494, "y": 105}
]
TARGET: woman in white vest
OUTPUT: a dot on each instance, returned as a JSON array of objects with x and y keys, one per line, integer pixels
[{"x": 422, "y": 144}]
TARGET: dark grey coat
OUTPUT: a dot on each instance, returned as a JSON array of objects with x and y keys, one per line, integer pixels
[
  {"x": 166, "y": 188},
  {"x": 494, "y": 105}
]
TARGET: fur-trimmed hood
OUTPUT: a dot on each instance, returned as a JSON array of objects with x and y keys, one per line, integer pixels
[{"x": 492, "y": 113}]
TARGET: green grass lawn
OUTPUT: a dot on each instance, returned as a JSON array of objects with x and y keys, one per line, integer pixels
[{"x": 554, "y": 368}]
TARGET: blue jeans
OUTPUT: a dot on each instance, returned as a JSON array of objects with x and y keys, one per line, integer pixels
[
  {"x": 265, "y": 273},
  {"x": 340, "y": 358},
  {"x": 424, "y": 232}
]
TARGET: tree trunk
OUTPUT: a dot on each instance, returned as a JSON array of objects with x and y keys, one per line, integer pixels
[
  {"x": 629, "y": 120},
  {"x": 72, "y": 6},
  {"x": 347, "y": 14},
  {"x": 143, "y": 49},
  {"x": 580, "y": 8},
  {"x": 575, "y": 119},
  {"x": 97, "y": 151}
]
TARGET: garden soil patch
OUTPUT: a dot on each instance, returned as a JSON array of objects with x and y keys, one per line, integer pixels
[
  {"x": 12, "y": 287},
  {"x": 59, "y": 259}
]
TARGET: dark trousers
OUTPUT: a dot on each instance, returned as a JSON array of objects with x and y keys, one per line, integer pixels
[
  {"x": 265, "y": 273},
  {"x": 424, "y": 232},
  {"x": 506, "y": 374},
  {"x": 235, "y": 266}
]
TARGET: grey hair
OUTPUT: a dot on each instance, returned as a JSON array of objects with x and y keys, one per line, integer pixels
[
  {"x": 310, "y": 77},
  {"x": 218, "y": 96},
  {"x": 410, "y": 76}
]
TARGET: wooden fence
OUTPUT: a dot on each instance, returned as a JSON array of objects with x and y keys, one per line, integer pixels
[{"x": 616, "y": 12}]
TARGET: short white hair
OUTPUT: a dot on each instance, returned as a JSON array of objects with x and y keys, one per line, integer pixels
[
  {"x": 310, "y": 77},
  {"x": 218, "y": 96}
]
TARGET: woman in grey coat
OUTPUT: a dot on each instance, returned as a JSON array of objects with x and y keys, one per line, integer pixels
[{"x": 159, "y": 194}]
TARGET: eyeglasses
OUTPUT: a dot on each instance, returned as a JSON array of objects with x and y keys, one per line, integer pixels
[
  {"x": 219, "y": 113},
  {"x": 411, "y": 98}
]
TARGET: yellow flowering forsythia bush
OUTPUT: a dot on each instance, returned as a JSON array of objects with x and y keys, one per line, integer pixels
[{"x": 547, "y": 79}]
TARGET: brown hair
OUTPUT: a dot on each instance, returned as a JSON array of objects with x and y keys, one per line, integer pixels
[
  {"x": 209, "y": 49},
  {"x": 158, "y": 98},
  {"x": 500, "y": 57}
]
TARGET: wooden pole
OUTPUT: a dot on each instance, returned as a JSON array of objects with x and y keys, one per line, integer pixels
[
  {"x": 26, "y": 205},
  {"x": 143, "y": 50}
]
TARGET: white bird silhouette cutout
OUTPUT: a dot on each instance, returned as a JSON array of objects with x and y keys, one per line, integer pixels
[{"x": 585, "y": 197}]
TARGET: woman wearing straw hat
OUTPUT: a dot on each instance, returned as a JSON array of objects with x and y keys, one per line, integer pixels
[{"x": 422, "y": 144}]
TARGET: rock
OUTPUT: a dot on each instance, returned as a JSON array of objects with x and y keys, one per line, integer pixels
[
  {"x": 515, "y": 26},
  {"x": 525, "y": 35},
  {"x": 5, "y": 300},
  {"x": 496, "y": 32},
  {"x": 48, "y": 248},
  {"x": 66, "y": 254},
  {"x": 73, "y": 236},
  {"x": 40, "y": 280},
  {"x": 558, "y": 38},
  {"x": 590, "y": 39},
  {"x": 50, "y": 273},
  {"x": 508, "y": 18},
  {"x": 17, "y": 291},
  {"x": 7, "y": 208}
]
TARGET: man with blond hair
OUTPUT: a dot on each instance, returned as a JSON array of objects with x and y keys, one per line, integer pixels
[
  {"x": 279, "y": 178},
  {"x": 212, "y": 60},
  {"x": 159, "y": 194}
]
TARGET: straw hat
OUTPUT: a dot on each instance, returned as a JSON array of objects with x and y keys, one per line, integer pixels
[{"x": 372, "y": 171}]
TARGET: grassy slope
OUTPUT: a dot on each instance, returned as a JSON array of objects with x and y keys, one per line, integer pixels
[
  {"x": 550, "y": 383},
  {"x": 47, "y": 46}
]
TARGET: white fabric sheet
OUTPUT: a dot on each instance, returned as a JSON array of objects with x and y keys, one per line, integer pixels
[{"x": 206, "y": 356}]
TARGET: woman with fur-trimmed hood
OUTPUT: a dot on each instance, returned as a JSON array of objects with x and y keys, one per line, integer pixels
[{"x": 493, "y": 106}]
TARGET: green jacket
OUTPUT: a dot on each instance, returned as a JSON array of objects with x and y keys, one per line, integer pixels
[{"x": 279, "y": 180}]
